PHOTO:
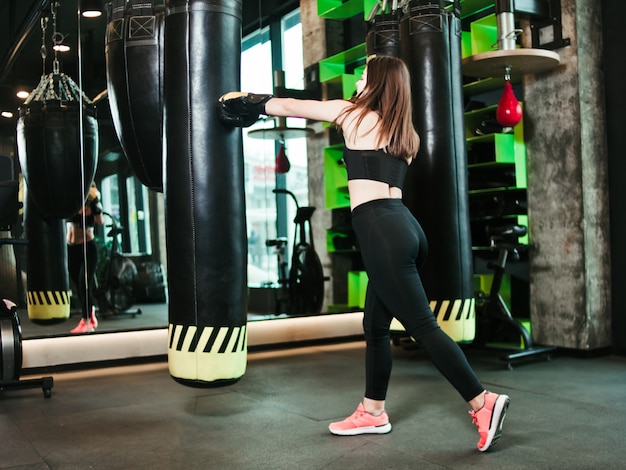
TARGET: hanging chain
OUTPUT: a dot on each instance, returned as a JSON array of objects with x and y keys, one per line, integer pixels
[
  {"x": 43, "y": 50},
  {"x": 55, "y": 37}
]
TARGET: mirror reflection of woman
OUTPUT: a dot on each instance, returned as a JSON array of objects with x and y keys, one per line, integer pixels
[{"x": 82, "y": 257}]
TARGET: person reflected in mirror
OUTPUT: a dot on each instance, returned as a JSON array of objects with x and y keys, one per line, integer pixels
[
  {"x": 82, "y": 257},
  {"x": 380, "y": 143}
]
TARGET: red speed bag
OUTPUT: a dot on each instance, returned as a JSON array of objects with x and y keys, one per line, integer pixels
[{"x": 509, "y": 112}]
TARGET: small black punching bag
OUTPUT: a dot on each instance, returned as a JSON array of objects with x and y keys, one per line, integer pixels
[
  {"x": 134, "y": 65},
  {"x": 49, "y": 145},
  {"x": 436, "y": 189},
  {"x": 204, "y": 195}
]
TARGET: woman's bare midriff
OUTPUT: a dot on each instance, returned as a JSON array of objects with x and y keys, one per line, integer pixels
[
  {"x": 362, "y": 191},
  {"x": 76, "y": 235}
]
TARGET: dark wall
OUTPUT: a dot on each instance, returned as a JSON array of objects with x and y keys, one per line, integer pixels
[
  {"x": 269, "y": 9},
  {"x": 613, "y": 14}
]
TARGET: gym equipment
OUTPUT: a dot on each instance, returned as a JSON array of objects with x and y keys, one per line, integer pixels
[
  {"x": 508, "y": 59},
  {"x": 10, "y": 330},
  {"x": 204, "y": 195},
  {"x": 11, "y": 353},
  {"x": 134, "y": 69},
  {"x": 57, "y": 143},
  {"x": 115, "y": 283},
  {"x": 436, "y": 185},
  {"x": 48, "y": 284},
  {"x": 492, "y": 308},
  {"x": 302, "y": 291},
  {"x": 48, "y": 143},
  {"x": 509, "y": 110}
]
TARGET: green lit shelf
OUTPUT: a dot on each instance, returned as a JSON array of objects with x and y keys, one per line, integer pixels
[
  {"x": 335, "y": 178},
  {"x": 481, "y": 111},
  {"x": 335, "y": 66},
  {"x": 343, "y": 9},
  {"x": 485, "y": 85},
  {"x": 472, "y": 7},
  {"x": 483, "y": 138}
]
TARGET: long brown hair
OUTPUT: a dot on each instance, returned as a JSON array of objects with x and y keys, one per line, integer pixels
[{"x": 388, "y": 93}]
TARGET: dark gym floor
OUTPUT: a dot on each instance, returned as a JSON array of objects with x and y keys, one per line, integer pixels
[{"x": 568, "y": 413}]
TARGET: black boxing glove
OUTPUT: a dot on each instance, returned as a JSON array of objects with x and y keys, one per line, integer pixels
[{"x": 241, "y": 109}]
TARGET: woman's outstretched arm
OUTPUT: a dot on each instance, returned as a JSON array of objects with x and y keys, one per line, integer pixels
[{"x": 316, "y": 110}]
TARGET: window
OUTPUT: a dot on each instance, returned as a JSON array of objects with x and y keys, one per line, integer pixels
[
  {"x": 138, "y": 217},
  {"x": 270, "y": 216},
  {"x": 133, "y": 214}
]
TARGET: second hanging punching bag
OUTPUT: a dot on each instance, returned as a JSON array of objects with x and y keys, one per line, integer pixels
[
  {"x": 134, "y": 66},
  {"x": 204, "y": 198},
  {"x": 436, "y": 189}
]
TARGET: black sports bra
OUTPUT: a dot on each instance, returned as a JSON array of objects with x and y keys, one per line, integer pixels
[
  {"x": 376, "y": 165},
  {"x": 90, "y": 220}
]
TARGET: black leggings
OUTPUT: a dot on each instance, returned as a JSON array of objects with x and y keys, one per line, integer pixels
[
  {"x": 75, "y": 263},
  {"x": 393, "y": 247}
]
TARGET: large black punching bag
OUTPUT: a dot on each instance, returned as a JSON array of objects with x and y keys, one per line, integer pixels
[
  {"x": 57, "y": 141},
  {"x": 436, "y": 189},
  {"x": 134, "y": 66},
  {"x": 204, "y": 198},
  {"x": 47, "y": 286}
]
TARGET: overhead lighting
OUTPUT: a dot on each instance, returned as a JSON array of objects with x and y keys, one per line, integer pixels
[
  {"x": 61, "y": 47},
  {"x": 90, "y": 8},
  {"x": 6, "y": 114},
  {"x": 59, "y": 44},
  {"x": 22, "y": 94}
]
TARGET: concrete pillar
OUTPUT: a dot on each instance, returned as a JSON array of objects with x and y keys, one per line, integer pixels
[{"x": 570, "y": 284}]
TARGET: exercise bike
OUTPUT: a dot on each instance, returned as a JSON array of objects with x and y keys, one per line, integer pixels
[
  {"x": 115, "y": 276},
  {"x": 301, "y": 287},
  {"x": 492, "y": 311}
]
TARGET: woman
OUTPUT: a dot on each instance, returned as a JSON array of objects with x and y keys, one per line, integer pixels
[
  {"x": 380, "y": 143},
  {"x": 82, "y": 257}
]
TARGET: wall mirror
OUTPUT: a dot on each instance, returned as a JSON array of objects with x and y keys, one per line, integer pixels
[{"x": 134, "y": 217}]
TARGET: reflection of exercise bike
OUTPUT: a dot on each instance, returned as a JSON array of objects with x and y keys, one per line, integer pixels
[
  {"x": 115, "y": 276},
  {"x": 301, "y": 291}
]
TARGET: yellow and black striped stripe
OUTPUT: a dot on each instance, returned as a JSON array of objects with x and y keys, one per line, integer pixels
[
  {"x": 48, "y": 306},
  {"x": 207, "y": 354},
  {"x": 456, "y": 317}
]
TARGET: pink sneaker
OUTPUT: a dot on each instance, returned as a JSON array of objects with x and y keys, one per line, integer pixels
[
  {"x": 93, "y": 319},
  {"x": 83, "y": 327},
  {"x": 489, "y": 419},
  {"x": 361, "y": 422}
]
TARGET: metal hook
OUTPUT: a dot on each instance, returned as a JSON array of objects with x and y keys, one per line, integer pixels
[{"x": 507, "y": 73}]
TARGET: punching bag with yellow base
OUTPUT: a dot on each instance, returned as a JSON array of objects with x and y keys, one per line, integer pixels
[
  {"x": 48, "y": 286},
  {"x": 204, "y": 195},
  {"x": 436, "y": 187}
]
